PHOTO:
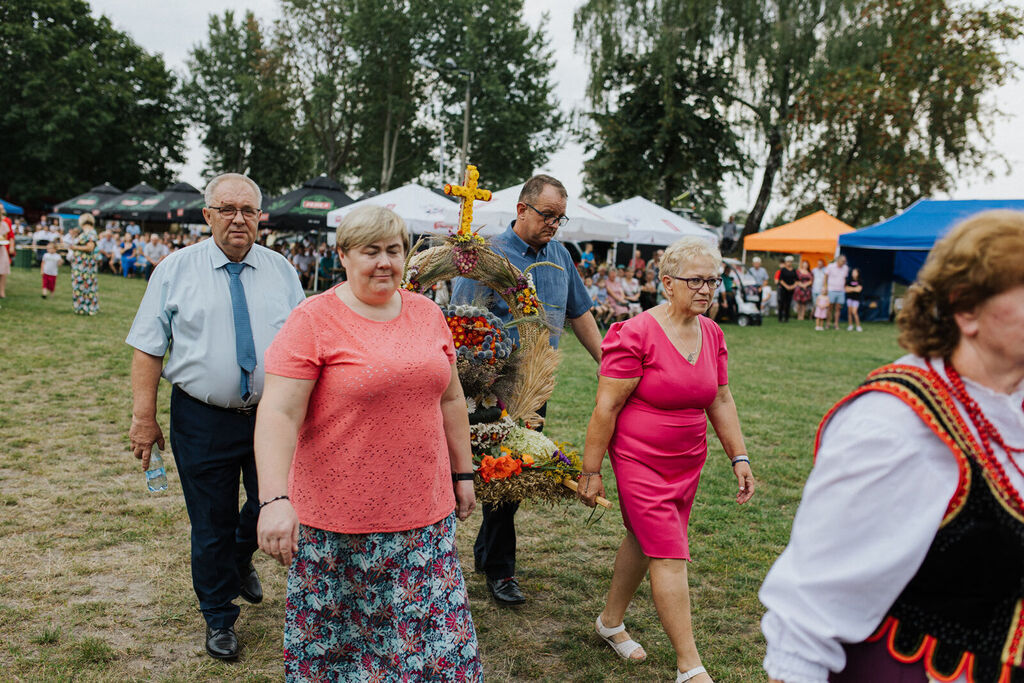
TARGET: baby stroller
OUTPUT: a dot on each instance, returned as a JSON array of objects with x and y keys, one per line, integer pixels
[{"x": 746, "y": 305}]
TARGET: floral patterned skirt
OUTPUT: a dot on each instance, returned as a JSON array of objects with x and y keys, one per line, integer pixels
[
  {"x": 84, "y": 298},
  {"x": 379, "y": 607}
]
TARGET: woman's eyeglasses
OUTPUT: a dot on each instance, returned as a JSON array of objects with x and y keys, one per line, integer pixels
[{"x": 695, "y": 283}]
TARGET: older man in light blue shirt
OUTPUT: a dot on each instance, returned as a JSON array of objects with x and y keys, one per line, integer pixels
[
  {"x": 213, "y": 308},
  {"x": 528, "y": 240}
]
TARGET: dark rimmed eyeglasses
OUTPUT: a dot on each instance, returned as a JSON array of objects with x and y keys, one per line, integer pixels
[
  {"x": 550, "y": 219},
  {"x": 695, "y": 283},
  {"x": 228, "y": 212}
]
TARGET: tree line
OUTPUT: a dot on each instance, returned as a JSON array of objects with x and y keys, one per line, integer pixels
[
  {"x": 858, "y": 107},
  {"x": 855, "y": 106}
]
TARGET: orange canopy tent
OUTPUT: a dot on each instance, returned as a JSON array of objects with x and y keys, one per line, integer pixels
[{"x": 813, "y": 237}]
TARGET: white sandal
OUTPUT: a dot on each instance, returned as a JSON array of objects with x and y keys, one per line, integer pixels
[
  {"x": 682, "y": 676},
  {"x": 624, "y": 649}
]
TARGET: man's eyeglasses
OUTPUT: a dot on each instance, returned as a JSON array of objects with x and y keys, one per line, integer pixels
[
  {"x": 696, "y": 283},
  {"x": 228, "y": 212},
  {"x": 550, "y": 219}
]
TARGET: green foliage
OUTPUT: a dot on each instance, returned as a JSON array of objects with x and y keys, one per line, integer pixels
[
  {"x": 750, "y": 55},
  {"x": 81, "y": 104},
  {"x": 515, "y": 124},
  {"x": 898, "y": 107},
  {"x": 239, "y": 96},
  {"x": 875, "y": 102},
  {"x": 313, "y": 40},
  {"x": 374, "y": 106},
  {"x": 666, "y": 136},
  {"x": 386, "y": 37}
]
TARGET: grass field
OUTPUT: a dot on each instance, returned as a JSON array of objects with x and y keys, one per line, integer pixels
[{"x": 96, "y": 582}]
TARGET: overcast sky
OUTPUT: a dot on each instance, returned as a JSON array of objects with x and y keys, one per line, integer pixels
[{"x": 172, "y": 28}]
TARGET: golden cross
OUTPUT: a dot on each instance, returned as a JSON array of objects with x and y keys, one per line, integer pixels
[{"x": 468, "y": 193}]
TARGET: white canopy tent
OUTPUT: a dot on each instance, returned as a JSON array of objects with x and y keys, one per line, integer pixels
[
  {"x": 652, "y": 224},
  {"x": 425, "y": 212},
  {"x": 586, "y": 221}
]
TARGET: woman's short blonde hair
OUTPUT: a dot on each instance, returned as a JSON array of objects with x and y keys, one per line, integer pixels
[
  {"x": 86, "y": 219},
  {"x": 369, "y": 224},
  {"x": 683, "y": 251},
  {"x": 977, "y": 260}
]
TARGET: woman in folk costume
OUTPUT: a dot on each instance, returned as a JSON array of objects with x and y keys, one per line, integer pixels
[{"x": 906, "y": 560}]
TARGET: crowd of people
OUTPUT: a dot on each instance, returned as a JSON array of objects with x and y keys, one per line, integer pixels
[
  {"x": 923, "y": 583},
  {"x": 121, "y": 248},
  {"x": 619, "y": 293},
  {"x": 317, "y": 265},
  {"x": 821, "y": 293}
]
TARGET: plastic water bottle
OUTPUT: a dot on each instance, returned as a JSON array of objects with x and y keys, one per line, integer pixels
[{"x": 156, "y": 476}]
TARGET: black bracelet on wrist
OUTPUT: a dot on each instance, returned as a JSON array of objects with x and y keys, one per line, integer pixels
[
  {"x": 272, "y": 500},
  {"x": 462, "y": 476}
]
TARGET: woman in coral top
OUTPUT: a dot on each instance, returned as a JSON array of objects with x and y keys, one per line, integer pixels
[
  {"x": 663, "y": 374},
  {"x": 364, "y": 462}
]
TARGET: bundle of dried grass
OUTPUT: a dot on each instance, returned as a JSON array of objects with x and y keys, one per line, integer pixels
[
  {"x": 538, "y": 486},
  {"x": 534, "y": 382},
  {"x": 425, "y": 268}
]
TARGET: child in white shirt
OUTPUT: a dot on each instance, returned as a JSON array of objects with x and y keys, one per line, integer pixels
[{"x": 49, "y": 269}]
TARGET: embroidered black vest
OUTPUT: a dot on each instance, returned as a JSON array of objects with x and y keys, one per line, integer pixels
[{"x": 962, "y": 611}]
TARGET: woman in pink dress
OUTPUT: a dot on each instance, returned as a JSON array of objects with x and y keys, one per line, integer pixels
[{"x": 663, "y": 373}]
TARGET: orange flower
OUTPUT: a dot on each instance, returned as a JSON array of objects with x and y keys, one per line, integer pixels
[{"x": 499, "y": 468}]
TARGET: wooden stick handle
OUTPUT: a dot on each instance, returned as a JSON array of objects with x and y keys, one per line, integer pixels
[{"x": 603, "y": 502}]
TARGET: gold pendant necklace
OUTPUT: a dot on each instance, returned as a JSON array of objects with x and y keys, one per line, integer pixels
[{"x": 690, "y": 357}]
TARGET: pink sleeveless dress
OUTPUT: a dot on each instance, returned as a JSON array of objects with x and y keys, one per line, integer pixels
[{"x": 660, "y": 441}]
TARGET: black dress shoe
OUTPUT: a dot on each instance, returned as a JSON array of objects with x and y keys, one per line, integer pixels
[
  {"x": 506, "y": 591},
  {"x": 249, "y": 585},
  {"x": 221, "y": 643}
]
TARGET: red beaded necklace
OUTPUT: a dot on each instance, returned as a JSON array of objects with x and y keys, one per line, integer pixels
[{"x": 986, "y": 430}]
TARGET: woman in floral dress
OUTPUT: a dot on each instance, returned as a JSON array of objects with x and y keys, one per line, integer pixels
[
  {"x": 364, "y": 464},
  {"x": 84, "y": 299},
  {"x": 802, "y": 293}
]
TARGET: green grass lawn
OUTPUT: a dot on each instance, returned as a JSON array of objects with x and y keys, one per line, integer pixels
[{"x": 96, "y": 582}]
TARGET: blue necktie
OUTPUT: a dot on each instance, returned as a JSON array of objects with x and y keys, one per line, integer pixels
[{"x": 245, "y": 348}]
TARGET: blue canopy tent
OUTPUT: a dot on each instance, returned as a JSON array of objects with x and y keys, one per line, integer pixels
[
  {"x": 12, "y": 209},
  {"x": 894, "y": 250}
]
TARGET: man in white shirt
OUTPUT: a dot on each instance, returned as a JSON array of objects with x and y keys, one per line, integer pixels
[
  {"x": 105, "y": 246},
  {"x": 757, "y": 271},
  {"x": 221, "y": 301},
  {"x": 303, "y": 261},
  {"x": 41, "y": 237},
  {"x": 154, "y": 252}
]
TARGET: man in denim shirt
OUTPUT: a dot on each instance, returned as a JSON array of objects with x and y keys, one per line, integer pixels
[{"x": 528, "y": 240}]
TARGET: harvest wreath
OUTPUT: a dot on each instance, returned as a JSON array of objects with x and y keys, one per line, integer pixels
[{"x": 505, "y": 384}]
